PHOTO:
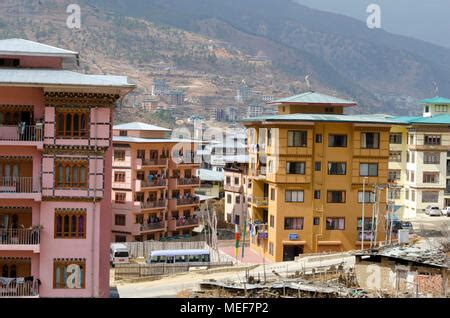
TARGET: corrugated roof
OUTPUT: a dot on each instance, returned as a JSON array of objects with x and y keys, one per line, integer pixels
[
  {"x": 41, "y": 77},
  {"x": 140, "y": 126},
  {"x": 313, "y": 98},
  {"x": 210, "y": 175},
  {"x": 435, "y": 119},
  {"x": 436, "y": 100},
  {"x": 369, "y": 119},
  {"x": 152, "y": 140},
  {"x": 26, "y": 47}
]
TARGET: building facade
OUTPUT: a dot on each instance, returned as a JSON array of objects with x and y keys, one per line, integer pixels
[
  {"x": 55, "y": 166},
  {"x": 235, "y": 186},
  {"x": 153, "y": 187},
  {"x": 419, "y": 163},
  {"x": 311, "y": 171}
]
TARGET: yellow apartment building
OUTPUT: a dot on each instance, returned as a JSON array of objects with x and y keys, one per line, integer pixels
[
  {"x": 308, "y": 167},
  {"x": 154, "y": 181}
]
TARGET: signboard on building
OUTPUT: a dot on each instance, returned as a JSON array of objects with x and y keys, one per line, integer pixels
[{"x": 293, "y": 236}]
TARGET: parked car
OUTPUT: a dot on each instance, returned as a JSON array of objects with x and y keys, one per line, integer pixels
[
  {"x": 406, "y": 225},
  {"x": 433, "y": 211},
  {"x": 446, "y": 211}
]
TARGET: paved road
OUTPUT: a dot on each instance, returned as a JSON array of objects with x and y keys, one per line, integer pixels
[{"x": 170, "y": 287}]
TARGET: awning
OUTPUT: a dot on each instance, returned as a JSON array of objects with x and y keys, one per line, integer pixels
[
  {"x": 293, "y": 242},
  {"x": 198, "y": 229}
]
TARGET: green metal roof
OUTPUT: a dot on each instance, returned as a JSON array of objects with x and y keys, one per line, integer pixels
[
  {"x": 436, "y": 100},
  {"x": 313, "y": 98},
  {"x": 436, "y": 119}
]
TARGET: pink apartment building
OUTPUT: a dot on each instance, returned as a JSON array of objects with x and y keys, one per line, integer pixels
[
  {"x": 55, "y": 172},
  {"x": 154, "y": 181}
]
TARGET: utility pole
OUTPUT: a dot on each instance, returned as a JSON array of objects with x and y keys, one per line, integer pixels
[{"x": 363, "y": 206}]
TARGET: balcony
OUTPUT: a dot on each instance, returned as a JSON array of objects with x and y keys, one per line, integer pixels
[
  {"x": 183, "y": 222},
  {"x": 188, "y": 201},
  {"x": 162, "y": 162},
  {"x": 368, "y": 235},
  {"x": 233, "y": 188},
  {"x": 17, "y": 135},
  {"x": 153, "y": 205},
  {"x": 18, "y": 288},
  {"x": 260, "y": 202},
  {"x": 20, "y": 239},
  {"x": 191, "y": 182},
  {"x": 153, "y": 227},
  {"x": 20, "y": 188},
  {"x": 154, "y": 184}
]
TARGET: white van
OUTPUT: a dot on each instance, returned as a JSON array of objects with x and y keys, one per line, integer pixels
[{"x": 119, "y": 254}]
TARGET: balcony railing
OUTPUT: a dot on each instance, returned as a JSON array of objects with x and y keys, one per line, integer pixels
[
  {"x": 154, "y": 183},
  {"x": 188, "y": 181},
  {"x": 187, "y": 201},
  {"x": 368, "y": 235},
  {"x": 260, "y": 201},
  {"x": 186, "y": 221},
  {"x": 19, "y": 133},
  {"x": 154, "y": 204},
  {"x": 233, "y": 188},
  {"x": 155, "y": 162},
  {"x": 153, "y": 226},
  {"x": 19, "y": 185},
  {"x": 17, "y": 287},
  {"x": 20, "y": 236}
]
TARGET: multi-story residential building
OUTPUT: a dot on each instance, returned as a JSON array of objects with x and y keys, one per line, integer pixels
[
  {"x": 177, "y": 98},
  {"x": 419, "y": 163},
  {"x": 311, "y": 168},
  {"x": 235, "y": 186},
  {"x": 154, "y": 181},
  {"x": 244, "y": 92},
  {"x": 55, "y": 172},
  {"x": 160, "y": 88},
  {"x": 254, "y": 109}
]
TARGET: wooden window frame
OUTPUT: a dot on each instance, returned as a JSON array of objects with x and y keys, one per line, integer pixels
[
  {"x": 344, "y": 196},
  {"x": 119, "y": 176},
  {"x": 62, "y": 117},
  {"x": 120, "y": 201},
  {"x": 71, "y": 164},
  {"x": 118, "y": 157},
  {"x": 121, "y": 217},
  {"x": 62, "y": 265},
  {"x": 334, "y": 218},
  {"x": 70, "y": 214}
]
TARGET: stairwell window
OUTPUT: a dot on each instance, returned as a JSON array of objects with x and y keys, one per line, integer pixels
[
  {"x": 368, "y": 169},
  {"x": 337, "y": 168},
  {"x": 71, "y": 173},
  {"x": 119, "y": 176},
  {"x": 395, "y": 138},
  {"x": 72, "y": 123},
  {"x": 370, "y": 140},
  {"x": 297, "y": 138},
  {"x": 70, "y": 224},
  {"x": 119, "y": 155},
  {"x": 291, "y": 223},
  {"x": 335, "y": 223},
  {"x": 336, "y": 196},
  {"x": 337, "y": 141}
]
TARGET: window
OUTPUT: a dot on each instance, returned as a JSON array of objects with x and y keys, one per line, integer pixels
[
  {"x": 368, "y": 169},
  {"x": 236, "y": 181},
  {"x": 271, "y": 248},
  {"x": 121, "y": 238},
  {"x": 431, "y": 157},
  {"x": 9, "y": 62},
  {"x": 228, "y": 181},
  {"x": 71, "y": 174},
  {"x": 119, "y": 176},
  {"x": 394, "y": 175},
  {"x": 337, "y": 168},
  {"x": 413, "y": 195},
  {"x": 272, "y": 221},
  {"x": 319, "y": 138},
  {"x": 140, "y": 175},
  {"x": 412, "y": 176},
  {"x": 317, "y": 194},
  {"x": 293, "y": 223},
  {"x": 431, "y": 177},
  {"x": 229, "y": 198},
  {"x": 70, "y": 223},
  {"x": 119, "y": 155},
  {"x": 395, "y": 138},
  {"x": 120, "y": 197},
  {"x": 139, "y": 197},
  {"x": 441, "y": 108},
  {"x": 337, "y": 141},
  {"x": 237, "y": 199},
  {"x": 317, "y": 166},
  {"x": 269, "y": 136},
  {"x": 72, "y": 123},
  {"x": 366, "y": 197},
  {"x": 410, "y": 139},
  {"x": 316, "y": 221},
  {"x": 294, "y": 196},
  {"x": 336, "y": 197},
  {"x": 119, "y": 219},
  {"x": 295, "y": 168},
  {"x": 140, "y": 154},
  {"x": 430, "y": 197},
  {"x": 407, "y": 194},
  {"x": 69, "y": 273},
  {"x": 297, "y": 138},
  {"x": 370, "y": 140},
  {"x": 272, "y": 194},
  {"x": 395, "y": 156},
  {"x": 394, "y": 194},
  {"x": 335, "y": 223},
  {"x": 329, "y": 110},
  {"x": 123, "y": 133},
  {"x": 432, "y": 140}
]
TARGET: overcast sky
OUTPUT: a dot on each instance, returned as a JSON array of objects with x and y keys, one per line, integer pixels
[{"x": 427, "y": 20}]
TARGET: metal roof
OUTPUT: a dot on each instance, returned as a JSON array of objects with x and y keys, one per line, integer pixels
[
  {"x": 436, "y": 100},
  {"x": 152, "y": 140},
  {"x": 26, "y": 47},
  {"x": 44, "y": 77},
  {"x": 140, "y": 126},
  {"x": 442, "y": 119},
  {"x": 210, "y": 175},
  {"x": 313, "y": 98},
  {"x": 367, "y": 119}
]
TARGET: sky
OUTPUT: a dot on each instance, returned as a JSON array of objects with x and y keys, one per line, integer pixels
[{"x": 427, "y": 20}]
